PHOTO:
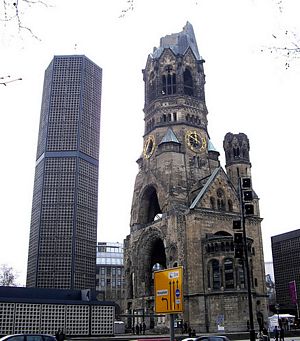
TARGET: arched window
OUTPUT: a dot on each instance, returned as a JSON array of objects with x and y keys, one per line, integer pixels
[
  {"x": 230, "y": 205},
  {"x": 216, "y": 278},
  {"x": 149, "y": 206},
  {"x": 236, "y": 152},
  {"x": 213, "y": 203},
  {"x": 188, "y": 83},
  {"x": 152, "y": 89},
  {"x": 228, "y": 273},
  {"x": 169, "y": 82},
  {"x": 221, "y": 199}
]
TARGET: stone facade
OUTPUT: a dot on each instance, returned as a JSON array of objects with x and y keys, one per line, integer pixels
[{"x": 184, "y": 203}]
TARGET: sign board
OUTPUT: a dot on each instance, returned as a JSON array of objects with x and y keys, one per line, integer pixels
[{"x": 168, "y": 291}]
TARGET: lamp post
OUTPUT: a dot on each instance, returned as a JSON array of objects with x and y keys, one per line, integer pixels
[
  {"x": 277, "y": 311},
  {"x": 247, "y": 209}
]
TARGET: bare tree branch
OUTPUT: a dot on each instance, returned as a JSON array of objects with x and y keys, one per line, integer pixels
[
  {"x": 129, "y": 7},
  {"x": 287, "y": 46},
  {"x": 13, "y": 12},
  {"x": 5, "y": 80}
]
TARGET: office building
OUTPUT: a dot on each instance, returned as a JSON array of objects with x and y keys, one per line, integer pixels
[
  {"x": 110, "y": 271},
  {"x": 63, "y": 231},
  {"x": 286, "y": 264}
]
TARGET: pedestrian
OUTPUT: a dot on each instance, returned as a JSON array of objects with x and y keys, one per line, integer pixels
[
  {"x": 276, "y": 333},
  {"x": 185, "y": 327},
  {"x": 190, "y": 331},
  {"x": 281, "y": 334},
  {"x": 144, "y": 328},
  {"x": 57, "y": 334},
  {"x": 61, "y": 336},
  {"x": 265, "y": 334},
  {"x": 137, "y": 329}
]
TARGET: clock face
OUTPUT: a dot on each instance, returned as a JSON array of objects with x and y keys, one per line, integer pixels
[
  {"x": 149, "y": 146},
  {"x": 195, "y": 141}
]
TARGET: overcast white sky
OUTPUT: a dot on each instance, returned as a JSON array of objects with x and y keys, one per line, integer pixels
[{"x": 247, "y": 91}]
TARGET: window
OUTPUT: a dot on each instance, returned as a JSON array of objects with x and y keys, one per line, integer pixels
[
  {"x": 213, "y": 202},
  {"x": 33, "y": 338},
  {"x": 216, "y": 280},
  {"x": 241, "y": 275},
  {"x": 221, "y": 199},
  {"x": 169, "y": 82},
  {"x": 228, "y": 272},
  {"x": 230, "y": 205},
  {"x": 188, "y": 83}
]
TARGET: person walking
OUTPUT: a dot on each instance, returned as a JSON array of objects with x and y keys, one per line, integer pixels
[
  {"x": 137, "y": 329},
  {"x": 265, "y": 334},
  {"x": 276, "y": 333},
  {"x": 281, "y": 334}
]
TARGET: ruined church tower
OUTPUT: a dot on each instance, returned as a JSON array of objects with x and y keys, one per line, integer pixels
[{"x": 184, "y": 203}]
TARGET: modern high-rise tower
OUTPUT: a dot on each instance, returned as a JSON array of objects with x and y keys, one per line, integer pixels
[{"x": 63, "y": 231}]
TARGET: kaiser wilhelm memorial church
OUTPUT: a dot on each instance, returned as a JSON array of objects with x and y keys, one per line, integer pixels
[{"x": 186, "y": 209}]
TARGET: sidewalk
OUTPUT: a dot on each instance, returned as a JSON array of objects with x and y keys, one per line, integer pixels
[{"x": 240, "y": 336}]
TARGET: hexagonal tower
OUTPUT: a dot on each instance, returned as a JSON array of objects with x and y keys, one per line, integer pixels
[{"x": 184, "y": 203}]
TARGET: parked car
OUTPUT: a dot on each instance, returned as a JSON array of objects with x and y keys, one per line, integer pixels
[
  {"x": 213, "y": 338},
  {"x": 28, "y": 337},
  {"x": 207, "y": 338}
]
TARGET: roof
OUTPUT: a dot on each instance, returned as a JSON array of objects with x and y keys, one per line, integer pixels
[
  {"x": 51, "y": 296},
  {"x": 178, "y": 42},
  {"x": 203, "y": 190},
  {"x": 169, "y": 137},
  {"x": 210, "y": 147}
]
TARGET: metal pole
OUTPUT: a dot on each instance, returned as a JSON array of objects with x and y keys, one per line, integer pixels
[
  {"x": 251, "y": 322},
  {"x": 172, "y": 334}
]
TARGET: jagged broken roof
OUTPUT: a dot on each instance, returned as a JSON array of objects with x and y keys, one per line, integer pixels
[{"x": 178, "y": 42}]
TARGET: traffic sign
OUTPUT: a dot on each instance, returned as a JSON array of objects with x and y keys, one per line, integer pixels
[{"x": 168, "y": 291}]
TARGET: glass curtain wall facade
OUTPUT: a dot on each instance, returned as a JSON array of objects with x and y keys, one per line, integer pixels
[
  {"x": 63, "y": 231},
  {"x": 110, "y": 270}
]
